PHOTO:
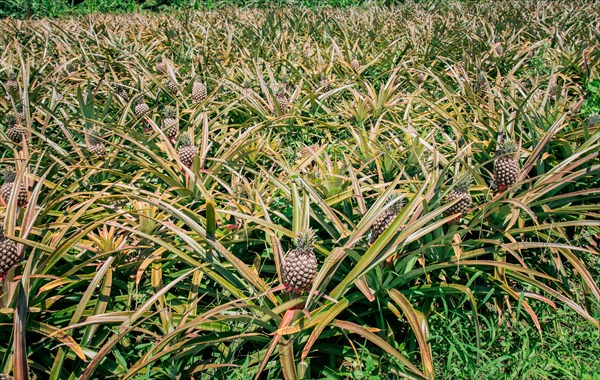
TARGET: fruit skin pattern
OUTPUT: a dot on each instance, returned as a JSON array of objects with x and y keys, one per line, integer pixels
[
  {"x": 8, "y": 254},
  {"x": 506, "y": 167},
  {"x": 299, "y": 265}
]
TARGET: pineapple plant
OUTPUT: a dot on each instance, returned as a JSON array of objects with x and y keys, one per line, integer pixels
[
  {"x": 460, "y": 192},
  {"x": 11, "y": 84},
  {"x": 8, "y": 256},
  {"x": 7, "y": 189},
  {"x": 14, "y": 131},
  {"x": 141, "y": 108},
  {"x": 299, "y": 265},
  {"x": 506, "y": 166},
  {"x": 187, "y": 151},
  {"x": 170, "y": 123},
  {"x": 96, "y": 146},
  {"x": 198, "y": 90},
  {"x": 384, "y": 220}
]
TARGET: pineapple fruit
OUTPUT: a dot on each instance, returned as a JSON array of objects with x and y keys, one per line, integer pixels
[
  {"x": 325, "y": 85},
  {"x": 198, "y": 90},
  {"x": 187, "y": 151},
  {"x": 170, "y": 123},
  {"x": 299, "y": 265},
  {"x": 141, "y": 108},
  {"x": 14, "y": 130},
  {"x": 355, "y": 64},
  {"x": 7, "y": 189},
  {"x": 480, "y": 88},
  {"x": 460, "y": 192},
  {"x": 161, "y": 66},
  {"x": 122, "y": 92},
  {"x": 282, "y": 100},
  {"x": 96, "y": 146},
  {"x": 384, "y": 221},
  {"x": 11, "y": 84},
  {"x": 8, "y": 255},
  {"x": 172, "y": 86},
  {"x": 506, "y": 166}
]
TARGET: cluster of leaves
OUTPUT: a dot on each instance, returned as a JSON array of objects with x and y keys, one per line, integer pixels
[{"x": 137, "y": 266}]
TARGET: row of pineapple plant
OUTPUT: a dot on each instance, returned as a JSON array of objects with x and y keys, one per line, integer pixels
[{"x": 277, "y": 166}]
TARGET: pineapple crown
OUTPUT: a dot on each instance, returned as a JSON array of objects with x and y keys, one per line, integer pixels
[
  {"x": 593, "y": 120},
  {"x": 169, "y": 112},
  {"x": 93, "y": 140},
  {"x": 481, "y": 76},
  {"x": 185, "y": 140},
  {"x": 9, "y": 176},
  {"x": 140, "y": 100},
  {"x": 507, "y": 147},
  {"x": 305, "y": 239},
  {"x": 464, "y": 183},
  {"x": 12, "y": 76}
]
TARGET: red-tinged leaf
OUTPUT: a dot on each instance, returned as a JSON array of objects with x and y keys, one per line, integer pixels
[{"x": 326, "y": 317}]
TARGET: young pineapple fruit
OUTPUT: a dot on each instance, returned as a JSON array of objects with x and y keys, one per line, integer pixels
[
  {"x": 7, "y": 189},
  {"x": 187, "y": 151},
  {"x": 355, "y": 64},
  {"x": 172, "y": 86},
  {"x": 122, "y": 92},
  {"x": 480, "y": 88},
  {"x": 170, "y": 123},
  {"x": 506, "y": 166},
  {"x": 198, "y": 90},
  {"x": 11, "y": 84},
  {"x": 325, "y": 85},
  {"x": 299, "y": 265},
  {"x": 384, "y": 221},
  {"x": 161, "y": 66},
  {"x": 460, "y": 192},
  {"x": 141, "y": 108},
  {"x": 282, "y": 99},
  {"x": 8, "y": 255},
  {"x": 14, "y": 130},
  {"x": 96, "y": 146}
]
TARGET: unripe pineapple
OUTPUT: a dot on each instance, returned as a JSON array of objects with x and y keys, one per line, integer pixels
[
  {"x": 461, "y": 192},
  {"x": 282, "y": 99},
  {"x": 96, "y": 146},
  {"x": 325, "y": 85},
  {"x": 593, "y": 120},
  {"x": 14, "y": 129},
  {"x": 11, "y": 84},
  {"x": 172, "y": 86},
  {"x": 187, "y": 151},
  {"x": 141, "y": 108},
  {"x": 122, "y": 92},
  {"x": 384, "y": 221},
  {"x": 170, "y": 123},
  {"x": 161, "y": 66},
  {"x": 198, "y": 90},
  {"x": 480, "y": 88},
  {"x": 8, "y": 257},
  {"x": 299, "y": 265},
  {"x": 506, "y": 166},
  {"x": 7, "y": 189}
]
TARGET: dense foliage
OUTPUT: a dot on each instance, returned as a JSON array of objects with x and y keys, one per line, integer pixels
[{"x": 170, "y": 160}]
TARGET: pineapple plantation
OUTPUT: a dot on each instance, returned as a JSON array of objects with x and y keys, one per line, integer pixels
[{"x": 301, "y": 193}]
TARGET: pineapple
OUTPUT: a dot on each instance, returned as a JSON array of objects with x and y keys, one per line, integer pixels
[
  {"x": 11, "y": 84},
  {"x": 420, "y": 78},
  {"x": 8, "y": 256},
  {"x": 299, "y": 265},
  {"x": 384, "y": 221},
  {"x": 7, "y": 188},
  {"x": 198, "y": 90},
  {"x": 187, "y": 151},
  {"x": 170, "y": 123},
  {"x": 14, "y": 131},
  {"x": 172, "y": 86},
  {"x": 461, "y": 192},
  {"x": 325, "y": 85},
  {"x": 161, "y": 66},
  {"x": 282, "y": 99},
  {"x": 480, "y": 87},
  {"x": 20, "y": 112},
  {"x": 141, "y": 108},
  {"x": 506, "y": 166},
  {"x": 498, "y": 48},
  {"x": 593, "y": 120},
  {"x": 122, "y": 92},
  {"x": 355, "y": 64},
  {"x": 96, "y": 146}
]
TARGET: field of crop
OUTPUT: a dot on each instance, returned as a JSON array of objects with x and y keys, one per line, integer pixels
[{"x": 360, "y": 193}]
